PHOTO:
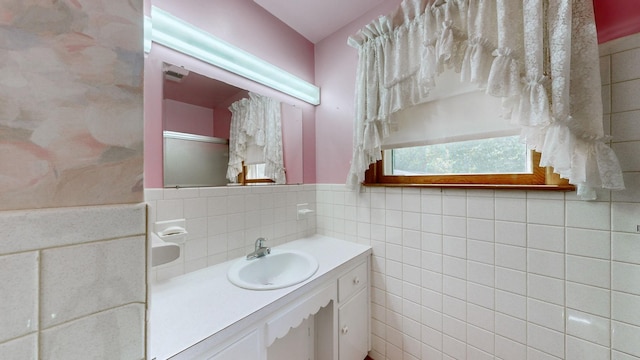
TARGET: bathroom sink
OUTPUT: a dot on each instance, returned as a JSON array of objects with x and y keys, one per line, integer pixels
[{"x": 280, "y": 269}]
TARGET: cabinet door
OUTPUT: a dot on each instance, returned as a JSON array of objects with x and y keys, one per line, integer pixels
[
  {"x": 353, "y": 318},
  {"x": 245, "y": 348}
]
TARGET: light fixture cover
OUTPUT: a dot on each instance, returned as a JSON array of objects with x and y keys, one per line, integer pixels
[{"x": 179, "y": 35}]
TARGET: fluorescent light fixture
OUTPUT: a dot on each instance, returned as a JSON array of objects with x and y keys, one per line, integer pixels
[{"x": 179, "y": 35}]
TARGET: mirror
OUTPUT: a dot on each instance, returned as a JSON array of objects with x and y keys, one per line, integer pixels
[
  {"x": 196, "y": 124},
  {"x": 172, "y": 40}
]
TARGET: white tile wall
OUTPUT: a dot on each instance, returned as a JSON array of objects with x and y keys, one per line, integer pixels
[
  {"x": 48, "y": 228},
  {"x": 22, "y": 348},
  {"x": 625, "y": 338},
  {"x": 223, "y": 222},
  {"x": 513, "y": 285},
  {"x": 19, "y": 287},
  {"x": 578, "y": 349},
  {"x": 510, "y": 274},
  {"x": 72, "y": 283},
  {"x": 93, "y": 337},
  {"x": 85, "y": 279}
]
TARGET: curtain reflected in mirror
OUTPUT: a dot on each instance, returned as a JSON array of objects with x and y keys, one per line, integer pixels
[{"x": 256, "y": 137}]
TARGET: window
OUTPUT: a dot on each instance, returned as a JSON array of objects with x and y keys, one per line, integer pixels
[
  {"x": 458, "y": 139},
  {"x": 501, "y": 155},
  {"x": 253, "y": 174},
  {"x": 501, "y": 162}
]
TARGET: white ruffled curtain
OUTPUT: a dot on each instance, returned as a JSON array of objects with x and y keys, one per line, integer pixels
[
  {"x": 539, "y": 56},
  {"x": 256, "y": 137}
]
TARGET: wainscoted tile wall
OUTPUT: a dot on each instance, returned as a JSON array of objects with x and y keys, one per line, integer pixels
[
  {"x": 494, "y": 275},
  {"x": 224, "y": 222},
  {"x": 72, "y": 222},
  {"x": 507, "y": 275},
  {"x": 73, "y": 283}
]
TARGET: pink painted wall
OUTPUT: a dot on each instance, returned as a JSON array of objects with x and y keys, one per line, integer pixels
[
  {"x": 258, "y": 33},
  {"x": 187, "y": 118},
  {"x": 336, "y": 64},
  {"x": 616, "y": 18},
  {"x": 221, "y": 123},
  {"x": 291, "y": 142},
  {"x": 222, "y": 115}
]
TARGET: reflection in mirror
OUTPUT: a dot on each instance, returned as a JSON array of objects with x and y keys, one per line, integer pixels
[
  {"x": 196, "y": 127},
  {"x": 194, "y": 160},
  {"x": 256, "y": 138}
]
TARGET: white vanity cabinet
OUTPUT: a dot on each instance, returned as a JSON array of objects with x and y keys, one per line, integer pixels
[
  {"x": 353, "y": 313},
  {"x": 204, "y": 316},
  {"x": 245, "y": 348}
]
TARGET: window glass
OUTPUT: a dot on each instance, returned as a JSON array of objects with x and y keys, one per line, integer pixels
[
  {"x": 255, "y": 171},
  {"x": 501, "y": 155}
]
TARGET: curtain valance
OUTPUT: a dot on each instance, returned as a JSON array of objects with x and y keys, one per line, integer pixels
[
  {"x": 539, "y": 57},
  {"x": 255, "y": 136}
]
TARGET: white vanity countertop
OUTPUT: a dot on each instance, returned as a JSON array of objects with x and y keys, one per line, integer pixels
[{"x": 193, "y": 307}]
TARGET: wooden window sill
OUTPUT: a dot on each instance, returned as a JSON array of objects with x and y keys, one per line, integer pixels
[
  {"x": 542, "y": 178},
  {"x": 562, "y": 187}
]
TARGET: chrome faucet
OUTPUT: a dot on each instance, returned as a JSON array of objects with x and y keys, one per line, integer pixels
[{"x": 260, "y": 250}]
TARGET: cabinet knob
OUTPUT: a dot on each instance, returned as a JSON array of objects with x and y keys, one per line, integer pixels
[
  {"x": 345, "y": 329},
  {"x": 356, "y": 281}
]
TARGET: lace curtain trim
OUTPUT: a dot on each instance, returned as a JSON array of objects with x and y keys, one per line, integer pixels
[
  {"x": 541, "y": 59},
  {"x": 256, "y": 121}
]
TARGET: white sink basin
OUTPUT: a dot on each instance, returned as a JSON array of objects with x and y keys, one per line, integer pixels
[{"x": 277, "y": 270}]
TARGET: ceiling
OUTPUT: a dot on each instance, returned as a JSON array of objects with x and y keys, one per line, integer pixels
[{"x": 317, "y": 19}]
